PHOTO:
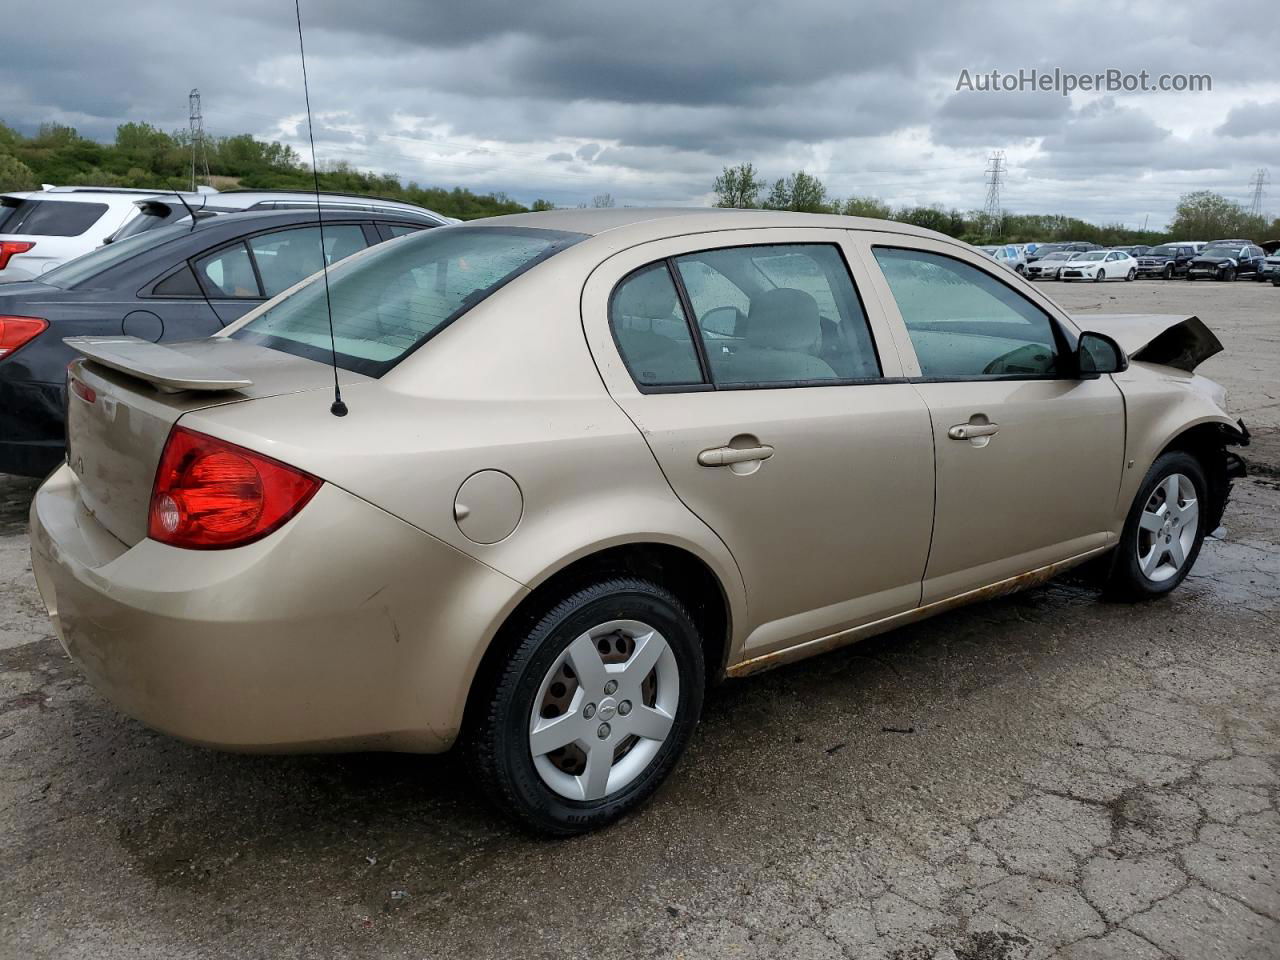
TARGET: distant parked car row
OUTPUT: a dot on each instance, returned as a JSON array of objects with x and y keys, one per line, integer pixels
[
  {"x": 1189, "y": 259},
  {"x": 42, "y": 229}
]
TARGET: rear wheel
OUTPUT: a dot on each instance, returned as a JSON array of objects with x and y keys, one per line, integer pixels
[
  {"x": 1164, "y": 530},
  {"x": 592, "y": 708}
]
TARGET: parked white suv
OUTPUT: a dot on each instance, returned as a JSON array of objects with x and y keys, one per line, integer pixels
[
  {"x": 42, "y": 229},
  {"x": 163, "y": 209}
]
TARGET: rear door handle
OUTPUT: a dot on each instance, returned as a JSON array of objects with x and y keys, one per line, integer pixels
[
  {"x": 968, "y": 431},
  {"x": 726, "y": 456}
]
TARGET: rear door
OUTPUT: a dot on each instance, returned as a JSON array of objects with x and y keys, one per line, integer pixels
[
  {"x": 773, "y": 403},
  {"x": 1028, "y": 456}
]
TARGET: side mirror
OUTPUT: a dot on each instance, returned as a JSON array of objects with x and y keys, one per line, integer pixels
[{"x": 1097, "y": 354}]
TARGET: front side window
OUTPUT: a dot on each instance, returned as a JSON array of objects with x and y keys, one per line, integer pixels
[
  {"x": 287, "y": 256},
  {"x": 389, "y": 302},
  {"x": 964, "y": 322},
  {"x": 778, "y": 314}
]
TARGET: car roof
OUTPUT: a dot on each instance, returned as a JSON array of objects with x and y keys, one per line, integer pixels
[{"x": 637, "y": 224}]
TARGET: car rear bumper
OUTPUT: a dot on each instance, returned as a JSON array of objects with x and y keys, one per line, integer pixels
[
  {"x": 31, "y": 426},
  {"x": 345, "y": 629}
]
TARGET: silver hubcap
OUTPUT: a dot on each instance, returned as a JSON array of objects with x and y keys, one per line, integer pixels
[
  {"x": 1167, "y": 528},
  {"x": 604, "y": 710}
]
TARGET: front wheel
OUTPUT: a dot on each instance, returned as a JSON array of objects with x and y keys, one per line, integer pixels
[
  {"x": 1164, "y": 530},
  {"x": 1132, "y": 273},
  {"x": 1168, "y": 272},
  {"x": 592, "y": 708},
  {"x": 1229, "y": 274},
  {"x": 1100, "y": 276}
]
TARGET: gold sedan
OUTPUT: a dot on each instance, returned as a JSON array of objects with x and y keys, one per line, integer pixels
[{"x": 590, "y": 462}]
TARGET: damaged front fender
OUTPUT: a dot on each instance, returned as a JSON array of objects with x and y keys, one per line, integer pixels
[{"x": 1171, "y": 340}]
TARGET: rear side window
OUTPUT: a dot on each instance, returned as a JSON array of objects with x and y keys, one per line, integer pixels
[
  {"x": 54, "y": 218},
  {"x": 652, "y": 331},
  {"x": 388, "y": 303},
  {"x": 287, "y": 256},
  {"x": 399, "y": 229},
  {"x": 963, "y": 322},
  {"x": 228, "y": 274}
]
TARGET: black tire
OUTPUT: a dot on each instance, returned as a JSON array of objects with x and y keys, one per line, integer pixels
[
  {"x": 1229, "y": 274},
  {"x": 1131, "y": 274},
  {"x": 498, "y": 741},
  {"x": 1125, "y": 579},
  {"x": 1168, "y": 271},
  {"x": 1100, "y": 276}
]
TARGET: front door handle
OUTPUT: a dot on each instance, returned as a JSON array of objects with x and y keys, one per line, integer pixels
[
  {"x": 727, "y": 456},
  {"x": 970, "y": 431}
]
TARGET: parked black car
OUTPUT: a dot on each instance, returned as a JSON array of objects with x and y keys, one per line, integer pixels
[
  {"x": 1168, "y": 260},
  {"x": 174, "y": 283},
  {"x": 1226, "y": 260}
]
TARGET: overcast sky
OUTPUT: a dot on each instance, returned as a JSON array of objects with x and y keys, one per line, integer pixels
[{"x": 649, "y": 100}]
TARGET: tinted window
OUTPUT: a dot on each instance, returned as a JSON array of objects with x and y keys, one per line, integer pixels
[
  {"x": 54, "y": 218},
  {"x": 229, "y": 273},
  {"x": 651, "y": 329},
  {"x": 287, "y": 256},
  {"x": 389, "y": 302},
  {"x": 180, "y": 284},
  {"x": 963, "y": 322},
  {"x": 399, "y": 229},
  {"x": 778, "y": 314}
]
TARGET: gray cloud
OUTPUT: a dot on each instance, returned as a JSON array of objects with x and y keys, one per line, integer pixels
[{"x": 566, "y": 100}]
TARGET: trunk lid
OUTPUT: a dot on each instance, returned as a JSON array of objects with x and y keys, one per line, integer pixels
[{"x": 134, "y": 391}]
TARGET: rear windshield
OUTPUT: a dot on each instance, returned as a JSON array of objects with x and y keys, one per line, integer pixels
[
  {"x": 53, "y": 218},
  {"x": 84, "y": 268},
  {"x": 392, "y": 300}
]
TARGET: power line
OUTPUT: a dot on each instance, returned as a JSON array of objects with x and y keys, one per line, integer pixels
[
  {"x": 991, "y": 212},
  {"x": 1259, "y": 182},
  {"x": 198, "y": 149}
]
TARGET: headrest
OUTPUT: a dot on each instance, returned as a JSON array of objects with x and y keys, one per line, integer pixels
[
  {"x": 647, "y": 294},
  {"x": 784, "y": 319}
]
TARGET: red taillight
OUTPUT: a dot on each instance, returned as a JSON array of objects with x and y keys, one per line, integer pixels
[
  {"x": 16, "y": 331},
  {"x": 210, "y": 494},
  {"x": 9, "y": 248}
]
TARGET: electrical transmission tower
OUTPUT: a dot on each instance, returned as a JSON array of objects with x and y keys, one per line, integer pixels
[
  {"x": 1259, "y": 183},
  {"x": 199, "y": 153},
  {"x": 992, "y": 213}
]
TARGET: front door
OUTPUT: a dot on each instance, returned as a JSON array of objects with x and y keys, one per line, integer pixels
[
  {"x": 1029, "y": 457},
  {"x": 753, "y": 372}
]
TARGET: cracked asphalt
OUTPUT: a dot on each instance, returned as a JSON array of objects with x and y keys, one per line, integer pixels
[{"x": 1045, "y": 775}]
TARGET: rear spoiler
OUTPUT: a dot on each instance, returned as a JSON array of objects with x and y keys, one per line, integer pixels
[{"x": 168, "y": 369}]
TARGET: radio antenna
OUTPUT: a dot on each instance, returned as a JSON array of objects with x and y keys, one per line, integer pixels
[{"x": 337, "y": 408}]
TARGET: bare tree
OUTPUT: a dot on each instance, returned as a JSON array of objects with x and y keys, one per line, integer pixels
[{"x": 602, "y": 200}]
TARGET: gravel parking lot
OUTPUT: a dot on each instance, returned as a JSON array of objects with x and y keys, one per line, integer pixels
[{"x": 1045, "y": 775}]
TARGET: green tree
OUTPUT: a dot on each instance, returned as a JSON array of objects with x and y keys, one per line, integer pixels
[
  {"x": 540, "y": 205},
  {"x": 15, "y": 175},
  {"x": 738, "y": 186},
  {"x": 1205, "y": 215},
  {"x": 866, "y": 207}
]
